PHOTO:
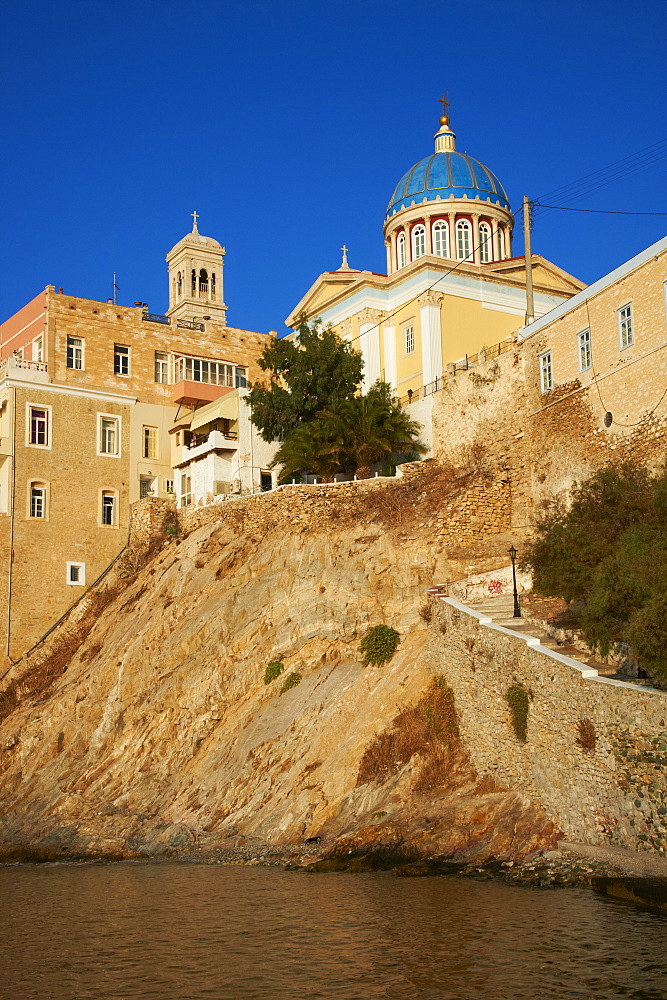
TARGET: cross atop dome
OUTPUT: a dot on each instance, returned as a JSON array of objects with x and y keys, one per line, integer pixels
[{"x": 444, "y": 138}]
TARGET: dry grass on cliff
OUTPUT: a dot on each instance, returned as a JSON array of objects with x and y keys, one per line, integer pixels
[{"x": 428, "y": 730}]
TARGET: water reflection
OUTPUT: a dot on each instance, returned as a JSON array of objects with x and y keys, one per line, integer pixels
[{"x": 188, "y": 932}]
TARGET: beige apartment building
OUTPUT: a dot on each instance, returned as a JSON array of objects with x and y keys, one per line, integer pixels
[{"x": 93, "y": 397}]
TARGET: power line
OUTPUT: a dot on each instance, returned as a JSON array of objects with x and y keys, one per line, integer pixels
[
  {"x": 599, "y": 211},
  {"x": 656, "y": 149}
]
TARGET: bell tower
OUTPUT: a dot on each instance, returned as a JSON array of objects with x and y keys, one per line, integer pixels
[{"x": 196, "y": 278}]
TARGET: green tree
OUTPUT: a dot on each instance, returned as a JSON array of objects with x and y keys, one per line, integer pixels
[
  {"x": 609, "y": 549},
  {"x": 369, "y": 429},
  {"x": 306, "y": 375},
  {"x": 350, "y": 437}
]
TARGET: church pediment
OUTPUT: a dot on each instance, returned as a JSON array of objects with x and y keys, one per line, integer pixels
[
  {"x": 546, "y": 275},
  {"x": 320, "y": 294}
]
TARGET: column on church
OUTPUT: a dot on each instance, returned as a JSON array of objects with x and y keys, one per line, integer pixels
[
  {"x": 494, "y": 239},
  {"x": 387, "y": 245},
  {"x": 475, "y": 237},
  {"x": 431, "y": 336},
  {"x": 427, "y": 227},
  {"x": 393, "y": 265},
  {"x": 453, "y": 237},
  {"x": 389, "y": 349},
  {"x": 369, "y": 345}
]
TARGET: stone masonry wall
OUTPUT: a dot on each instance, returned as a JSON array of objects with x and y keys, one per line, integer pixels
[{"x": 614, "y": 793}]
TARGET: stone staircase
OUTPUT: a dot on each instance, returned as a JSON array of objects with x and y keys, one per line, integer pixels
[{"x": 501, "y": 610}]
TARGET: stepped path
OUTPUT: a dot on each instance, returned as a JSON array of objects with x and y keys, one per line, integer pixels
[{"x": 500, "y": 609}]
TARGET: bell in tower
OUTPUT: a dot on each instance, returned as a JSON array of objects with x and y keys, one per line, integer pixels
[{"x": 195, "y": 277}]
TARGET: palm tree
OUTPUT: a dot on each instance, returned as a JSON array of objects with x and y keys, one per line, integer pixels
[
  {"x": 367, "y": 429},
  {"x": 308, "y": 449}
]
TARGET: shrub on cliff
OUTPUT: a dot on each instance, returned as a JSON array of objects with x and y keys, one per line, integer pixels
[
  {"x": 518, "y": 700},
  {"x": 274, "y": 669},
  {"x": 609, "y": 549},
  {"x": 379, "y": 644},
  {"x": 290, "y": 681}
]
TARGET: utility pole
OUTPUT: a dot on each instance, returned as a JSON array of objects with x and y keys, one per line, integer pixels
[{"x": 527, "y": 225}]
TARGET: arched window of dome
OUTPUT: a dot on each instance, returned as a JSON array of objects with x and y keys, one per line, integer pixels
[
  {"x": 418, "y": 242},
  {"x": 179, "y": 284},
  {"x": 441, "y": 238},
  {"x": 203, "y": 281},
  {"x": 485, "y": 243},
  {"x": 400, "y": 251},
  {"x": 463, "y": 240},
  {"x": 501, "y": 248}
]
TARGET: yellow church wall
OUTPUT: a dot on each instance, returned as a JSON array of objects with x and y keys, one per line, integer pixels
[{"x": 467, "y": 327}]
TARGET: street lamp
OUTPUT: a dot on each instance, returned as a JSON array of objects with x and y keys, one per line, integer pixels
[{"x": 517, "y": 609}]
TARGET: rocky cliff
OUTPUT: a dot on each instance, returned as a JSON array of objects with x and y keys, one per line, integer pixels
[{"x": 150, "y": 728}]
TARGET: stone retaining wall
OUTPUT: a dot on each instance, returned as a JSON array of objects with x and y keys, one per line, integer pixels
[{"x": 615, "y": 793}]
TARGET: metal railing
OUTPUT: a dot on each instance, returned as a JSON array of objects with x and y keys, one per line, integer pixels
[
  {"x": 462, "y": 365},
  {"x": 189, "y": 324},
  {"x": 156, "y": 318}
]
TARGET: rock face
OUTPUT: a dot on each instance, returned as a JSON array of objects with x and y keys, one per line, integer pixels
[{"x": 161, "y": 734}]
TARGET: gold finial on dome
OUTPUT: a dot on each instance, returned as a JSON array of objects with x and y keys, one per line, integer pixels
[
  {"x": 445, "y": 104},
  {"x": 445, "y": 139}
]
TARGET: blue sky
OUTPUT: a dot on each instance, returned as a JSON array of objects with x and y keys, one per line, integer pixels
[{"x": 287, "y": 126}]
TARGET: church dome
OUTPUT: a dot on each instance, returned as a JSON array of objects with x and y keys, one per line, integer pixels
[
  {"x": 195, "y": 239},
  {"x": 447, "y": 174}
]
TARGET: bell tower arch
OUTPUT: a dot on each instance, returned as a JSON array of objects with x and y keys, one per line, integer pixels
[{"x": 196, "y": 287}]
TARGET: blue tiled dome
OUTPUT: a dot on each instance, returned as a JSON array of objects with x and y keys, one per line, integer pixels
[{"x": 447, "y": 174}]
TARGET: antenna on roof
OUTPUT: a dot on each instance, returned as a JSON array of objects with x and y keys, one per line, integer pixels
[{"x": 115, "y": 288}]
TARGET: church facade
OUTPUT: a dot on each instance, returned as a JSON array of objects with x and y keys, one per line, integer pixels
[{"x": 453, "y": 285}]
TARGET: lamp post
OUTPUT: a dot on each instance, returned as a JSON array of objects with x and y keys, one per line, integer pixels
[{"x": 517, "y": 609}]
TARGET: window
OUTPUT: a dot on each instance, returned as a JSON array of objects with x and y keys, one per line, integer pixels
[
  {"x": 625, "y": 333},
  {"x": 441, "y": 238},
  {"x": 203, "y": 281},
  {"x": 266, "y": 481},
  {"x": 108, "y": 507},
  {"x": 400, "y": 250},
  {"x": 585, "y": 355},
  {"x": 121, "y": 360},
  {"x": 463, "y": 240},
  {"x": 38, "y": 426},
  {"x": 485, "y": 243},
  {"x": 76, "y": 574},
  {"x": 409, "y": 334},
  {"x": 418, "y": 242},
  {"x": 179, "y": 287},
  {"x": 186, "y": 489},
  {"x": 161, "y": 368},
  {"x": 203, "y": 370},
  {"x": 38, "y": 349},
  {"x": 241, "y": 378},
  {"x": 109, "y": 434},
  {"x": 149, "y": 449},
  {"x": 37, "y": 506},
  {"x": 75, "y": 352},
  {"x": 169, "y": 486},
  {"x": 546, "y": 372}
]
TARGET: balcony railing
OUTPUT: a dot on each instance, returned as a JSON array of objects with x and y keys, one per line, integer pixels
[
  {"x": 189, "y": 324},
  {"x": 23, "y": 365},
  {"x": 156, "y": 318}
]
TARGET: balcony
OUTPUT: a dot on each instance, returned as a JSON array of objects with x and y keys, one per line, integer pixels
[
  {"x": 193, "y": 393},
  {"x": 216, "y": 441},
  {"x": 24, "y": 371}
]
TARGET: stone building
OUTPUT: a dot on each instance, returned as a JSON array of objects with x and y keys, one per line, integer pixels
[
  {"x": 452, "y": 284},
  {"x": 93, "y": 398}
]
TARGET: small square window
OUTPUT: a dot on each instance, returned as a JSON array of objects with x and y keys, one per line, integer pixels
[
  {"x": 76, "y": 574},
  {"x": 546, "y": 372},
  {"x": 585, "y": 354},
  {"x": 625, "y": 331},
  {"x": 121, "y": 360},
  {"x": 409, "y": 335},
  {"x": 169, "y": 486},
  {"x": 75, "y": 353}
]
